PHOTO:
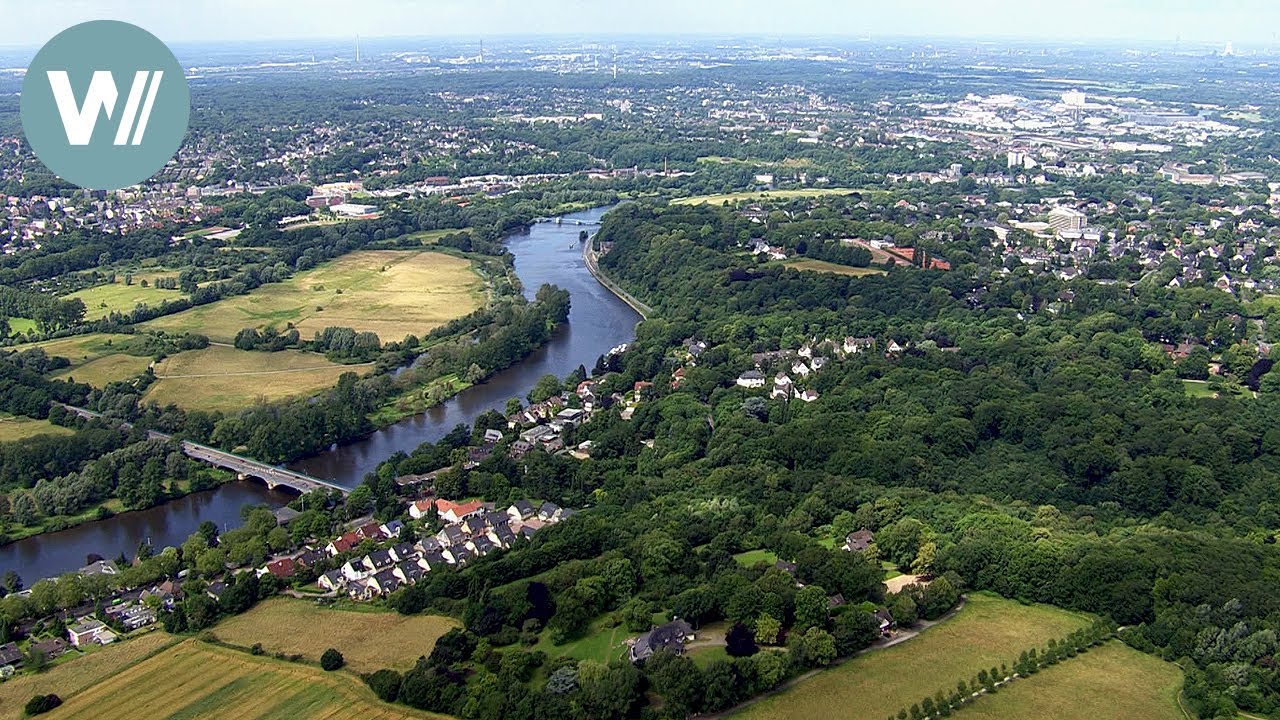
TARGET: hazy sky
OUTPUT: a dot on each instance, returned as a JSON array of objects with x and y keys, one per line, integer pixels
[{"x": 32, "y": 22}]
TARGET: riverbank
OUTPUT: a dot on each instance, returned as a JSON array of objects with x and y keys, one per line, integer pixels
[{"x": 591, "y": 259}]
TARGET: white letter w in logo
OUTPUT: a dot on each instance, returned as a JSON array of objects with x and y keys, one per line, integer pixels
[{"x": 79, "y": 122}]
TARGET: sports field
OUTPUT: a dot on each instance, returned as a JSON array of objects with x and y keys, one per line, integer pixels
[
  {"x": 223, "y": 378},
  {"x": 390, "y": 292},
  {"x": 987, "y": 632},
  {"x": 101, "y": 300},
  {"x": 1112, "y": 682},
  {"x": 368, "y": 641},
  {"x": 72, "y": 673},
  {"x": 830, "y": 267},
  {"x": 767, "y": 194},
  {"x": 196, "y": 680},
  {"x": 16, "y": 427}
]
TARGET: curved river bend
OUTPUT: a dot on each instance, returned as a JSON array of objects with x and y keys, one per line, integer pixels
[{"x": 548, "y": 253}]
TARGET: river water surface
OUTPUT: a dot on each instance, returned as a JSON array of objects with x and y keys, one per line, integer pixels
[{"x": 548, "y": 253}]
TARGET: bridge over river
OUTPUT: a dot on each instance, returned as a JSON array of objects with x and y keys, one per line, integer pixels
[{"x": 274, "y": 476}]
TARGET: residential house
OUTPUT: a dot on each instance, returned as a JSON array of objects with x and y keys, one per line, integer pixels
[
  {"x": 378, "y": 560},
  {"x": 10, "y": 654},
  {"x": 333, "y": 580},
  {"x": 751, "y": 379},
  {"x": 391, "y": 529},
  {"x": 782, "y": 386},
  {"x": 101, "y": 567},
  {"x": 858, "y": 540},
  {"x": 51, "y": 648},
  {"x": 452, "y": 512},
  {"x": 284, "y": 568},
  {"x": 402, "y": 551},
  {"x": 492, "y": 437},
  {"x": 354, "y": 570},
  {"x": 808, "y": 395},
  {"x": 419, "y": 509},
  {"x": 549, "y": 512},
  {"x": 343, "y": 543},
  {"x": 670, "y": 637},
  {"x": 89, "y": 631},
  {"x": 521, "y": 510},
  {"x": 409, "y": 573}
]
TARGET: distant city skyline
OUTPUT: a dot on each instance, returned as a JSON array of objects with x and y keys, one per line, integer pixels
[{"x": 1244, "y": 23}]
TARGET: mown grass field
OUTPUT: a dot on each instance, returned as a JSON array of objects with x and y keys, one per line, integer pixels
[
  {"x": 751, "y": 557},
  {"x": 602, "y": 643},
  {"x": 100, "y": 300},
  {"x": 20, "y": 325},
  {"x": 196, "y": 680},
  {"x": 15, "y": 427},
  {"x": 767, "y": 194},
  {"x": 431, "y": 237},
  {"x": 223, "y": 378},
  {"x": 830, "y": 267},
  {"x": 987, "y": 632},
  {"x": 73, "y": 673},
  {"x": 1112, "y": 682},
  {"x": 391, "y": 292},
  {"x": 368, "y": 641}
]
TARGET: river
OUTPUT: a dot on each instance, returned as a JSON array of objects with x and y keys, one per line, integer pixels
[{"x": 547, "y": 253}]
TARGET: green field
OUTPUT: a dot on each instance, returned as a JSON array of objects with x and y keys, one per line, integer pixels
[
  {"x": 602, "y": 643},
  {"x": 829, "y": 267},
  {"x": 1112, "y": 682},
  {"x": 1202, "y": 389},
  {"x": 101, "y": 300},
  {"x": 391, "y": 292},
  {"x": 196, "y": 680},
  {"x": 768, "y": 194},
  {"x": 72, "y": 673},
  {"x": 97, "y": 358},
  {"x": 368, "y": 641},
  {"x": 431, "y": 237},
  {"x": 223, "y": 378},
  {"x": 987, "y": 632},
  {"x": 751, "y": 557},
  {"x": 15, "y": 427},
  {"x": 20, "y": 325}
]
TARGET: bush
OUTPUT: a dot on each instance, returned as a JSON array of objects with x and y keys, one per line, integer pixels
[
  {"x": 385, "y": 684},
  {"x": 42, "y": 703},
  {"x": 331, "y": 660}
]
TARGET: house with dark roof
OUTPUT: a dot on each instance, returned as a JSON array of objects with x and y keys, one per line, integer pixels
[
  {"x": 858, "y": 541},
  {"x": 10, "y": 654},
  {"x": 378, "y": 560},
  {"x": 549, "y": 512},
  {"x": 409, "y": 572},
  {"x": 333, "y": 580},
  {"x": 670, "y": 637},
  {"x": 402, "y": 551}
]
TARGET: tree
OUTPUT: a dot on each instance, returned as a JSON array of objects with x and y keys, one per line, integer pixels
[
  {"x": 767, "y": 629},
  {"x": 855, "y": 630},
  {"x": 385, "y": 684},
  {"x": 42, "y": 704},
  {"x": 331, "y": 660},
  {"x": 811, "y": 608},
  {"x": 815, "y": 648},
  {"x": 739, "y": 641}
]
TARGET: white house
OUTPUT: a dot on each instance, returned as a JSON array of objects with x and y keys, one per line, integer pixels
[
  {"x": 751, "y": 379},
  {"x": 89, "y": 631}
]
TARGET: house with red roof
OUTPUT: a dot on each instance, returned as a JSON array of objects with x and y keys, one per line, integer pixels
[{"x": 452, "y": 512}]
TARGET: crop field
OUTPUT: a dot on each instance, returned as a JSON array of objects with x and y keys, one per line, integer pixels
[
  {"x": 197, "y": 680},
  {"x": 830, "y": 267},
  {"x": 72, "y": 674},
  {"x": 1112, "y": 682},
  {"x": 101, "y": 300},
  {"x": 368, "y": 641},
  {"x": 14, "y": 427},
  {"x": 223, "y": 378},
  {"x": 987, "y": 632},
  {"x": 767, "y": 194},
  {"x": 393, "y": 293}
]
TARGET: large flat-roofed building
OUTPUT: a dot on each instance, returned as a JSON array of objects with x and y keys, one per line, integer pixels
[{"x": 1066, "y": 219}]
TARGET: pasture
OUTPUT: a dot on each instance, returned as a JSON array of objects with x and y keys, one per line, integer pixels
[
  {"x": 807, "y": 265},
  {"x": 368, "y": 641},
  {"x": 16, "y": 427},
  {"x": 1111, "y": 682},
  {"x": 987, "y": 632},
  {"x": 72, "y": 673},
  {"x": 393, "y": 293},
  {"x": 223, "y": 378},
  {"x": 97, "y": 358},
  {"x": 101, "y": 300},
  {"x": 737, "y": 197},
  {"x": 197, "y": 680}
]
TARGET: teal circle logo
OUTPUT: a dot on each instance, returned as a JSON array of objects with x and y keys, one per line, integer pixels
[{"x": 105, "y": 104}]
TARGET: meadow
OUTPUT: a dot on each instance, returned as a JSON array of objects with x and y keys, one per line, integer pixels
[
  {"x": 197, "y": 680},
  {"x": 101, "y": 300},
  {"x": 393, "y": 293},
  {"x": 988, "y": 631},
  {"x": 14, "y": 428},
  {"x": 830, "y": 267},
  {"x": 766, "y": 195},
  {"x": 223, "y": 378},
  {"x": 368, "y": 641},
  {"x": 96, "y": 358},
  {"x": 1111, "y": 682},
  {"x": 72, "y": 673}
]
